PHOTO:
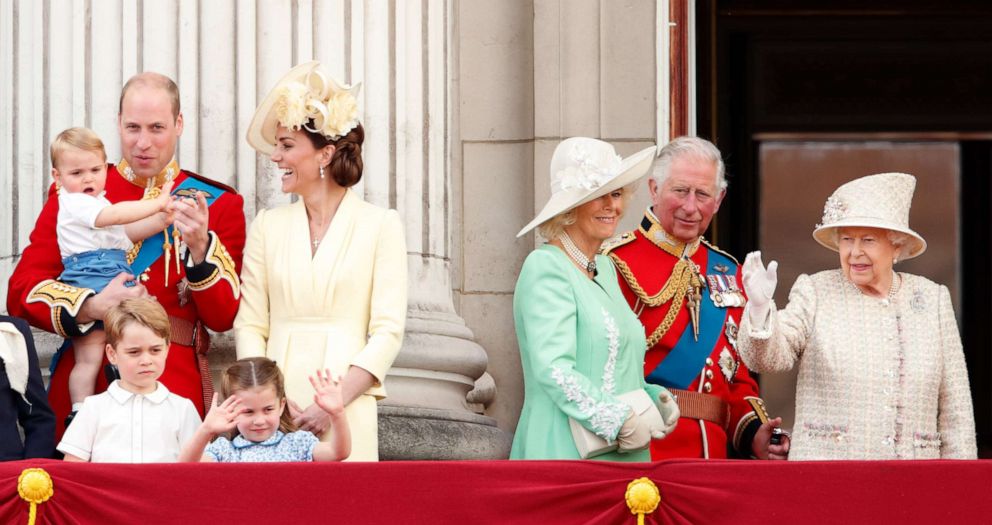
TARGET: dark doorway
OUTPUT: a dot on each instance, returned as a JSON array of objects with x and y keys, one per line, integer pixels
[{"x": 856, "y": 72}]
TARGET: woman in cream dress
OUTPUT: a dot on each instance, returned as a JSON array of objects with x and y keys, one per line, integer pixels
[
  {"x": 881, "y": 369},
  {"x": 324, "y": 278}
]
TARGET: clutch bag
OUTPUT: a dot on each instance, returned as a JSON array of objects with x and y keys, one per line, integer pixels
[{"x": 590, "y": 445}]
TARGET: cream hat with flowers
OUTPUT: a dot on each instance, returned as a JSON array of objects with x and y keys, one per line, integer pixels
[
  {"x": 303, "y": 95},
  {"x": 876, "y": 201},
  {"x": 583, "y": 169}
]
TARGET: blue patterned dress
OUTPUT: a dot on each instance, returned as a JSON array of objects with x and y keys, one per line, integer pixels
[{"x": 295, "y": 446}]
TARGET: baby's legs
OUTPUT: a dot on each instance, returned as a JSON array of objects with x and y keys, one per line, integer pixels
[{"x": 89, "y": 356}]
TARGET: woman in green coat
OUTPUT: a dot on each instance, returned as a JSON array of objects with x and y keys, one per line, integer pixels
[{"x": 581, "y": 347}]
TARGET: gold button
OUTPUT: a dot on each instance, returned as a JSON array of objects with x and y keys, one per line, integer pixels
[
  {"x": 709, "y": 374},
  {"x": 709, "y": 362},
  {"x": 707, "y": 386}
]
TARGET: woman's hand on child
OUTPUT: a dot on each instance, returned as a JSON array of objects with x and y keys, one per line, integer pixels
[
  {"x": 222, "y": 417},
  {"x": 328, "y": 389}
]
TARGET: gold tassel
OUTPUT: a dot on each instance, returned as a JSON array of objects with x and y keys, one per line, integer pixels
[{"x": 642, "y": 498}]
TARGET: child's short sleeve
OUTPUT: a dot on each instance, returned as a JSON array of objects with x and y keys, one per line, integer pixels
[
  {"x": 300, "y": 445},
  {"x": 222, "y": 450},
  {"x": 79, "y": 437},
  {"x": 81, "y": 207}
]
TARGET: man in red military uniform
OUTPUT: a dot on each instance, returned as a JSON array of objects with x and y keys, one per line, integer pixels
[
  {"x": 689, "y": 297},
  {"x": 192, "y": 269}
]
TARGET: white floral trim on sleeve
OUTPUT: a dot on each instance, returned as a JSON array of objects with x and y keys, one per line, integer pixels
[
  {"x": 604, "y": 417},
  {"x": 613, "y": 333}
]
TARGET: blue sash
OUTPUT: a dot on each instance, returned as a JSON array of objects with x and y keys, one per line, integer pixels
[
  {"x": 152, "y": 247},
  {"x": 682, "y": 365}
]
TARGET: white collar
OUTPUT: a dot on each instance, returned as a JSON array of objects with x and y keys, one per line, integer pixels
[{"x": 120, "y": 395}]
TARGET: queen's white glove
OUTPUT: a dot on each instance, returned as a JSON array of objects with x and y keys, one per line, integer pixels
[
  {"x": 759, "y": 284},
  {"x": 669, "y": 414}
]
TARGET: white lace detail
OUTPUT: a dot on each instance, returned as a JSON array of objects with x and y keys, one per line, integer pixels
[
  {"x": 613, "y": 333},
  {"x": 586, "y": 174},
  {"x": 605, "y": 418}
]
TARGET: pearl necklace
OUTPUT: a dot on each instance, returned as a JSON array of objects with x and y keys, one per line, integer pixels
[
  {"x": 576, "y": 254},
  {"x": 893, "y": 289}
]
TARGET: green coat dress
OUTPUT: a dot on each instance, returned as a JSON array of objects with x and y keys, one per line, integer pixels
[{"x": 580, "y": 346}]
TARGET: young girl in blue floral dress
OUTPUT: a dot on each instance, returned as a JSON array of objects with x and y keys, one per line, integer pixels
[{"x": 263, "y": 431}]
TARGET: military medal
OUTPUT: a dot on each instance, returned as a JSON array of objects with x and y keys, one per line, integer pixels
[
  {"x": 724, "y": 290},
  {"x": 730, "y": 331},
  {"x": 728, "y": 365}
]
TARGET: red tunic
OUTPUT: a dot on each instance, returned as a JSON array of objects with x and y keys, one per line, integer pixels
[
  {"x": 213, "y": 299},
  {"x": 651, "y": 266}
]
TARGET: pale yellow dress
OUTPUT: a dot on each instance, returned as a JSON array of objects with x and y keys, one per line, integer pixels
[{"x": 344, "y": 306}]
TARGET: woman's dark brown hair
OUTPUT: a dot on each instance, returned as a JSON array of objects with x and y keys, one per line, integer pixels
[{"x": 346, "y": 165}]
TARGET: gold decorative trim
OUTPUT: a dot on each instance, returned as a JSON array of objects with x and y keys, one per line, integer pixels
[
  {"x": 739, "y": 431},
  {"x": 224, "y": 268},
  {"x": 662, "y": 239},
  {"x": 642, "y": 497},
  {"x": 59, "y": 295},
  {"x": 168, "y": 173},
  {"x": 684, "y": 277}
]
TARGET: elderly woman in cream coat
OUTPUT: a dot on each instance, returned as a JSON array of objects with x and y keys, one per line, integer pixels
[
  {"x": 324, "y": 278},
  {"x": 881, "y": 370}
]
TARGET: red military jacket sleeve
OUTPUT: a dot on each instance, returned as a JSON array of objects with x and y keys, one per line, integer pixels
[{"x": 642, "y": 264}]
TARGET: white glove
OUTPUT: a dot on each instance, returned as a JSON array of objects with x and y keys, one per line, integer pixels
[
  {"x": 759, "y": 284},
  {"x": 633, "y": 435},
  {"x": 669, "y": 414}
]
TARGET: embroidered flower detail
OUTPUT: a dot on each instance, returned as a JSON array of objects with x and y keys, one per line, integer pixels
[
  {"x": 604, "y": 418},
  {"x": 833, "y": 211},
  {"x": 585, "y": 173},
  {"x": 333, "y": 109},
  {"x": 613, "y": 334}
]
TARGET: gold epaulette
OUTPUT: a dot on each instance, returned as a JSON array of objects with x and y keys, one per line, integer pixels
[
  {"x": 224, "y": 268},
  {"x": 718, "y": 250},
  {"x": 616, "y": 241},
  {"x": 59, "y": 295}
]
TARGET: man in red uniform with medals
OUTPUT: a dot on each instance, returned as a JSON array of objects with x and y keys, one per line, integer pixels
[
  {"x": 191, "y": 268},
  {"x": 689, "y": 297}
]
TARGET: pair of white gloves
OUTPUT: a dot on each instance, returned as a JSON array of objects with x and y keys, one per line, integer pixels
[
  {"x": 759, "y": 285},
  {"x": 636, "y": 434}
]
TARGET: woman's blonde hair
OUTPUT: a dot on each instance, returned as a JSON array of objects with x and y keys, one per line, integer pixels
[{"x": 552, "y": 228}]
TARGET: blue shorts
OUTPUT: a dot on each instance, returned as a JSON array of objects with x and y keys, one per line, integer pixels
[{"x": 94, "y": 269}]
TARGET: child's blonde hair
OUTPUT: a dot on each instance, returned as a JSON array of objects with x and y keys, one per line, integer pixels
[
  {"x": 142, "y": 311},
  {"x": 84, "y": 139},
  {"x": 252, "y": 372}
]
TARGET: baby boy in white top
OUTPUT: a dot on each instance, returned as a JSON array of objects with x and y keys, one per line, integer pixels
[
  {"x": 94, "y": 235},
  {"x": 137, "y": 420}
]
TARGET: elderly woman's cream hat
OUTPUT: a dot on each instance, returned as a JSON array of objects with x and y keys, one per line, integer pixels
[
  {"x": 304, "y": 98},
  {"x": 583, "y": 169},
  {"x": 876, "y": 201}
]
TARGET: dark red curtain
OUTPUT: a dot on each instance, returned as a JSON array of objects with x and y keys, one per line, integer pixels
[{"x": 517, "y": 492}]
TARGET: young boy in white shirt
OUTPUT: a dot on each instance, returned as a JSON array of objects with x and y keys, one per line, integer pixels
[
  {"x": 94, "y": 236},
  {"x": 137, "y": 420}
]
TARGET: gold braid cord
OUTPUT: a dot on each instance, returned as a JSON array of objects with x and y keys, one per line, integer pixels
[
  {"x": 132, "y": 254},
  {"x": 684, "y": 276}
]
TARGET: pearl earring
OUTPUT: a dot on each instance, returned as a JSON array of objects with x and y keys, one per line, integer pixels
[
  {"x": 895, "y": 260},
  {"x": 322, "y": 172}
]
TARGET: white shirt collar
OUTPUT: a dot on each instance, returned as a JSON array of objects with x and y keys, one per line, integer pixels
[{"x": 120, "y": 395}]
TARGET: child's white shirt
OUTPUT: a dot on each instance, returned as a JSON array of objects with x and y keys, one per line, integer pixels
[
  {"x": 118, "y": 426},
  {"x": 76, "y": 230}
]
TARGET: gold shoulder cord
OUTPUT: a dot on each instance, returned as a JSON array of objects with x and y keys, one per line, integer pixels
[{"x": 685, "y": 276}]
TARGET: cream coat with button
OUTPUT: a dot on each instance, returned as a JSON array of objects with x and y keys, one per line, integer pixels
[
  {"x": 876, "y": 380},
  {"x": 345, "y": 306}
]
